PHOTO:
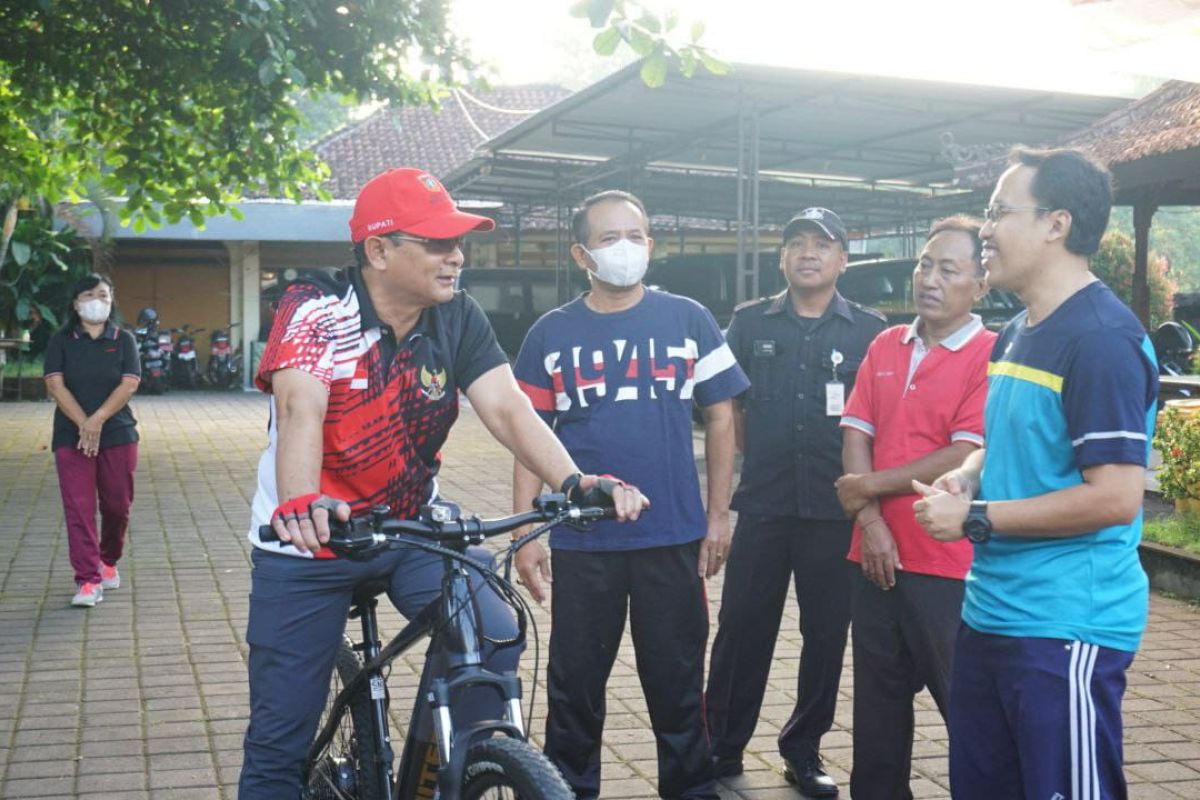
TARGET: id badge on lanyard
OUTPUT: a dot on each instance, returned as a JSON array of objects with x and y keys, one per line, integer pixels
[{"x": 835, "y": 390}]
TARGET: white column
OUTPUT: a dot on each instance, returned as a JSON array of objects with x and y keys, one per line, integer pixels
[
  {"x": 245, "y": 284},
  {"x": 251, "y": 291},
  {"x": 235, "y": 282}
]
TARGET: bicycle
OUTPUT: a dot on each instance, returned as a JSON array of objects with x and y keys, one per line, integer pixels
[{"x": 351, "y": 757}]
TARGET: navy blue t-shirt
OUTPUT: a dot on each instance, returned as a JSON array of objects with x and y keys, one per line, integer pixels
[{"x": 618, "y": 390}]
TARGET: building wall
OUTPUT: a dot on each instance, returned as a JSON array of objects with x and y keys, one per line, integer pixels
[
  {"x": 185, "y": 282},
  {"x": 279, "y": 256}
]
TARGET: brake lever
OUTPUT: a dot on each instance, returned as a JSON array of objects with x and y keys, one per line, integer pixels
[{"x": 359, "y": 540}]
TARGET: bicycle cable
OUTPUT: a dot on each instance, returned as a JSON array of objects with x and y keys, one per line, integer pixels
[{"x": 507, "y": 592}]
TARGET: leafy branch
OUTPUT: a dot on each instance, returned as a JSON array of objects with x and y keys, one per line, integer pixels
[
  {"x": 653, "y": 37},
  {"x": 182, "y": 108}
]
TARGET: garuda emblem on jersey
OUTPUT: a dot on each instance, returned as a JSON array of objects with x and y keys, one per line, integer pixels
[{"x": 433, "y": 384}]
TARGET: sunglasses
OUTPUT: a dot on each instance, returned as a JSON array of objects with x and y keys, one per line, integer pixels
[{"x": 441, "y": 247}]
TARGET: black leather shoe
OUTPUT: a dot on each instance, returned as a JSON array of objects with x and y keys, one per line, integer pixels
[
  {"x": 809, "y": 778},
  {"x": 727, "y": 766}
]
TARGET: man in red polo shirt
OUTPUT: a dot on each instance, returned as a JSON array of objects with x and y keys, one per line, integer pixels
[{"x": 916, "y": 412}]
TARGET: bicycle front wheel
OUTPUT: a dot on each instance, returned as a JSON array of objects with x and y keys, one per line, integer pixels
[
  {"x": 506, "y": 769},
  {"x": 345, "y": 768}
]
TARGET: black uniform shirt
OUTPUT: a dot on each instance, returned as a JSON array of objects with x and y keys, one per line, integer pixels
[
  {"x": 92, "y": 369},
  {"x": 792, "y": 448}
]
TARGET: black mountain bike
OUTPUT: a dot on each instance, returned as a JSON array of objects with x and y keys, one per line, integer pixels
[{"x": 351, "y": 757}]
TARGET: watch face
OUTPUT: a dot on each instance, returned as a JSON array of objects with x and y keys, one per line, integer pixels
[{"x": 977, "y": 530}]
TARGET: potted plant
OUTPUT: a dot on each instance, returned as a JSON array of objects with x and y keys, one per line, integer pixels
[{"x": 1177, "y": 438}]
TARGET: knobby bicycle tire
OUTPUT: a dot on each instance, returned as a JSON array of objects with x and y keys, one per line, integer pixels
[
  {"x": 502, "y": 769},
  {"x": 344, "y": 770}
]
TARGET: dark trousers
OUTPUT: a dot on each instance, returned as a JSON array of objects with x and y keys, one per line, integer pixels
[
  {"x": 298, "y": 609},
  {"x": 81, "y": 479},
  {"x": 1035, "y": 718},
  {"x": 903, "y": 642},
  {"x": 668, "y": 616},
  {"x": 767, "y": 553}
]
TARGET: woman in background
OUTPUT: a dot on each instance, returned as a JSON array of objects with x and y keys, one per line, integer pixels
[{"x": 91, "y": 371}]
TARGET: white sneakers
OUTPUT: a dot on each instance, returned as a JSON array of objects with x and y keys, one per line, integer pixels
[
  {"x": 91, "y": 593},
  {"x": 109, "y": 577},
  {"x": 88, "y": 595}
]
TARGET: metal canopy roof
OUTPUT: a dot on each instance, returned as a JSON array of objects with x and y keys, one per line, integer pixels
[{"x": 883, "y": 152}]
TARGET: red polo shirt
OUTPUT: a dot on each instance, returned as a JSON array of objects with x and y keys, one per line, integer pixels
[{"x": 913, "y": 402}]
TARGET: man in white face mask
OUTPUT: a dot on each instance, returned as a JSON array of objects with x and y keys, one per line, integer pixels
[{"x": 615, "y": 373}]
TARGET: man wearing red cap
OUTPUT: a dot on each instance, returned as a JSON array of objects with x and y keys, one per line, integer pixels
[{"x": 364, "y": 369}]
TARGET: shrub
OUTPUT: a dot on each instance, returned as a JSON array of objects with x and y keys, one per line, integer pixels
[{"x": 1177, "y": 438}]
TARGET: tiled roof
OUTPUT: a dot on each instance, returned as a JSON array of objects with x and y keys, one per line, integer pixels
[
  {"x": 1165, "y": 121},
  {"x": 419, "y": 136}
]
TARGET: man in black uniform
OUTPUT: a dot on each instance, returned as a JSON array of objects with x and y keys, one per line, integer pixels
[{"x": 801, "y": 349}]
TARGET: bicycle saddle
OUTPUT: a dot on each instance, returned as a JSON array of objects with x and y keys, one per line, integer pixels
[{"x": 365, "y": 591}]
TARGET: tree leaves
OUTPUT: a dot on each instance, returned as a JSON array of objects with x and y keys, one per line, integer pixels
[
  {"x": 646, "y": 34},
  {"x": 39, "y": 268},
  {"x": 606, "y": 41},
  {"x": 20, "y": 253},
  {"x": 654, "y": 70},
  {"x": 184, "y": 107}
]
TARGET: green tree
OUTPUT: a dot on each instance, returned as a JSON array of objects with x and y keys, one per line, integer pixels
[
  {"x": 1113, "y": 264},
  {"x": 321, "y": 113},
  {"x": 38, "y": 267},
  {"x": 1175, "y": 235},
  {"x": 651, "y": 36},
  {"x": 184, "y": 106}
]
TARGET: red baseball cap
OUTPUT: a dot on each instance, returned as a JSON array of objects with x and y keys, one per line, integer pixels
[{"x": 412, "y": 201}]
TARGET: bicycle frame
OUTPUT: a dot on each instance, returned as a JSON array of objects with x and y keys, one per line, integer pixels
[
  {"x": 431, "y": 739},
  {"x": 435, "y": 753}
]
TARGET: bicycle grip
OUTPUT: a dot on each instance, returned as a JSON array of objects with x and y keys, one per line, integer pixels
[{"x": 267, "y": 534}]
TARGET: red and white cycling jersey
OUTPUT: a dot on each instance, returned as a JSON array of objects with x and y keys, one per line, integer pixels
[{"x": 391, "y": 403}]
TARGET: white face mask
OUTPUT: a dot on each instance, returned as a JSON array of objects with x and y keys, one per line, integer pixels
[
  {"x": 621, "y": 264},
  {"x": 95, "y": 311}
]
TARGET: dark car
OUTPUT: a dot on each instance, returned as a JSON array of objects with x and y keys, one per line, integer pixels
[
  {"x": 886, "y": 285},
  {"x": 710, "y": 279},
  {"x": 513, "y": 299}
]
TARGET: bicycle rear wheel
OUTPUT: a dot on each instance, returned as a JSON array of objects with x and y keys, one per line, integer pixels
[
  {"x": 506, "y": 769},
  {"x": 344, "y": 770}
]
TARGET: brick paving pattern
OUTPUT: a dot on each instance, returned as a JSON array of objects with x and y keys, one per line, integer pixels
[{"x": 144, "y": 697}]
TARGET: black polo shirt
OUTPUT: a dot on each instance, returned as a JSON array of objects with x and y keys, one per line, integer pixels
[
  {"x": 792, "y": 448},
  {"x": 91, "y": 369}
]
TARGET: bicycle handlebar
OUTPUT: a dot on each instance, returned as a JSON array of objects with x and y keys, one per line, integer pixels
[{"x": 444, "y": 524}]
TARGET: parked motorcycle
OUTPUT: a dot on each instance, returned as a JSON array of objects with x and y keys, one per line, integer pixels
[
  {"x": 154, "y": 365},
  {"x": 186, "y": 367},
  {"x": 166, "y": 344},
  {"x": 224, "y": 361},
  {"x": 1175, "y": 347}
]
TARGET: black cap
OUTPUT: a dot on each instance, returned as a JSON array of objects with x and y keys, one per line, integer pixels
[{"x": 829, "y": 223}]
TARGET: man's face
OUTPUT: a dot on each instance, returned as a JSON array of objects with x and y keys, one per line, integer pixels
[
  {"x": 1014, "y": 240},
  {"x": 947, "y": 280},
  {"x": 608, "y": 223},
  {"x": 810, "y": 260},
  {"x": 422, "y": 272}
]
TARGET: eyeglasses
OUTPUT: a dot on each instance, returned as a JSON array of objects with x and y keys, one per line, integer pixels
[
  {"x": 441, "y": 247},
  {"x": 995, "y": 211}
]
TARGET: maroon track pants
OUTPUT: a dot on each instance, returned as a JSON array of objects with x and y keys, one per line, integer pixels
[{"x": 108, "y": 475}]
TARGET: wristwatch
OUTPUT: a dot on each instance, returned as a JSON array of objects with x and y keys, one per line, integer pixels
[{"x": 977, "y": 526}]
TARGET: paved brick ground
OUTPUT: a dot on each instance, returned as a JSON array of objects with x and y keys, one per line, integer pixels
[{"x": 144, "y": 696}]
